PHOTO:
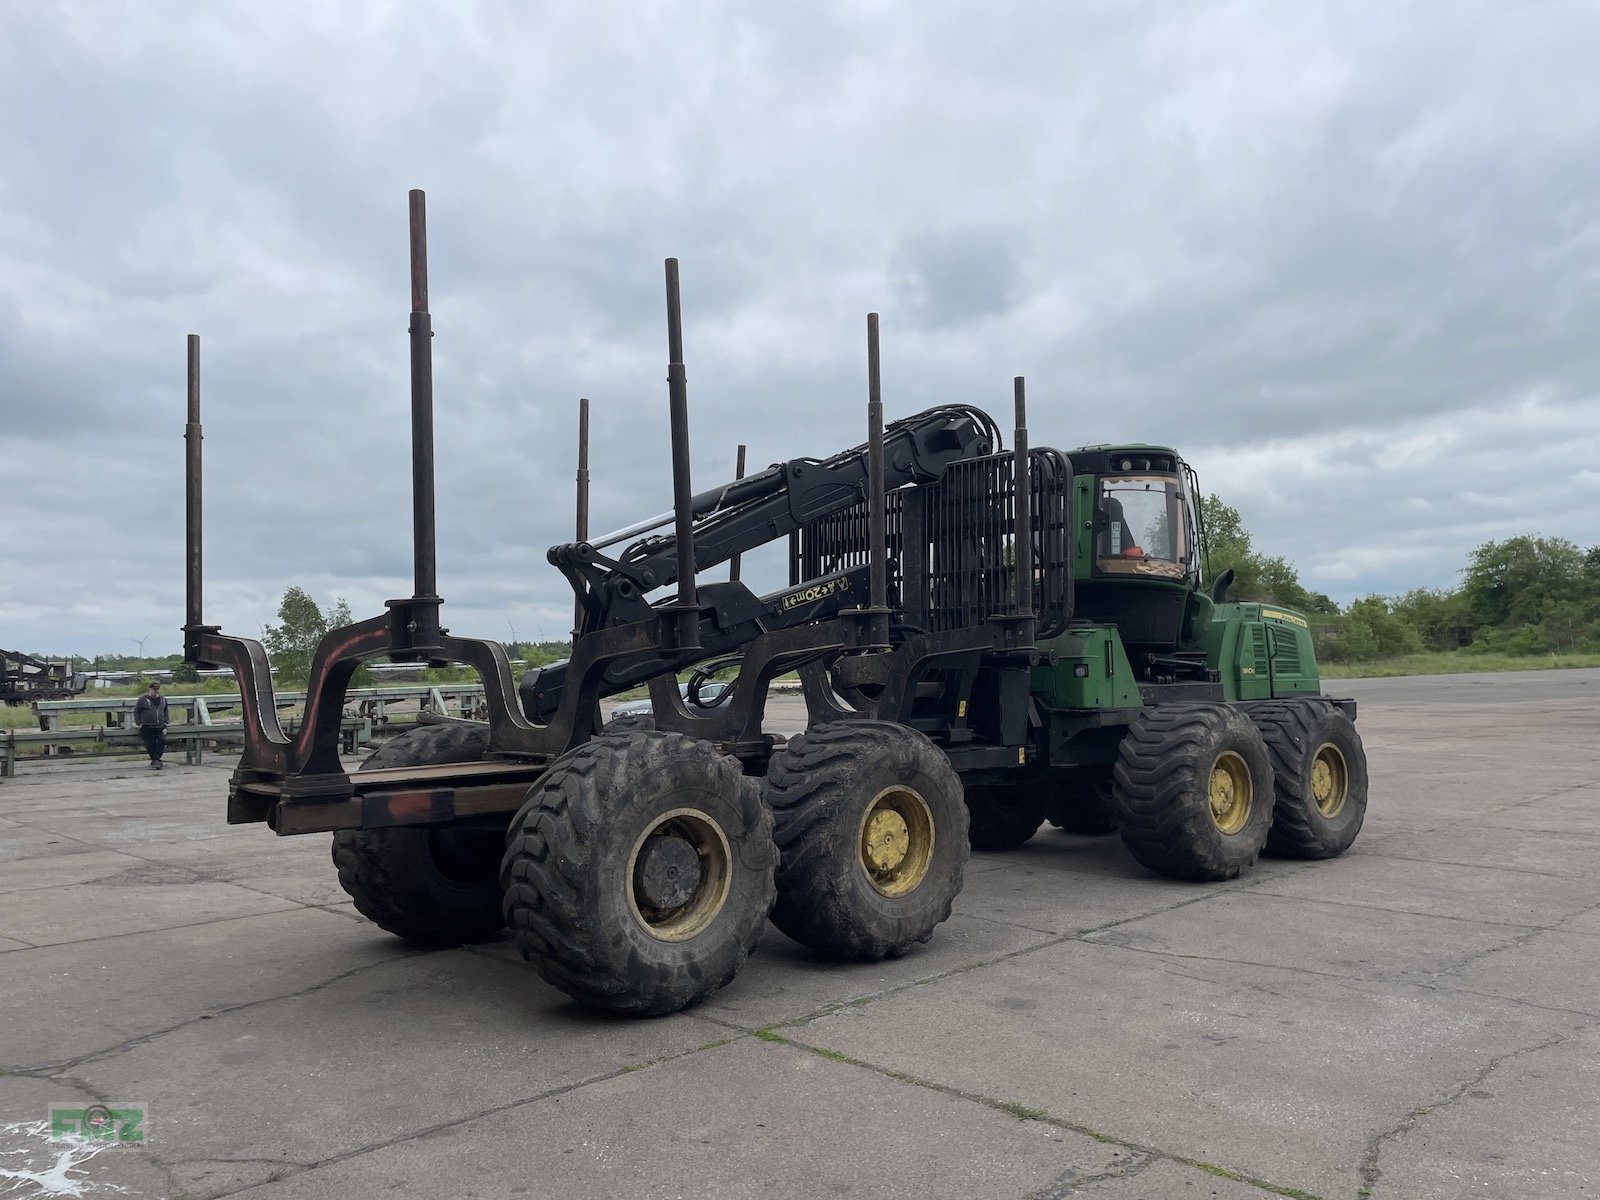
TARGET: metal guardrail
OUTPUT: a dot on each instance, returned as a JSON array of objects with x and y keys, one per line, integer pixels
[
  {"x": 355, "y": 732},
  {"x": 200, "y": 709}
]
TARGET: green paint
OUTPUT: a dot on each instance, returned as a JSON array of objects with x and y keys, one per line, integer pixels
[
  {"x": 1091, "y": 671},
  {"x": 1261, "y": 651}
]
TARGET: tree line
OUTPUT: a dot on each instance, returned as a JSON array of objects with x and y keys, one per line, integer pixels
[{"x": 1525, "y": 595}]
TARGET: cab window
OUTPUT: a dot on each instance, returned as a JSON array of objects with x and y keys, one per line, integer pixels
[{"x": 1142, "y": 526}]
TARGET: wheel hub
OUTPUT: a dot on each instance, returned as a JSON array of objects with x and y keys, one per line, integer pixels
[
  {"x": 668, "y": 872},
  {"x": 887, "y": 842},
  {"x": 897, "y": 841},
  {"x": 1230, "y": 792},
  {"x": 679, "y": 875},
  {"x": 1330, "y": 780}
]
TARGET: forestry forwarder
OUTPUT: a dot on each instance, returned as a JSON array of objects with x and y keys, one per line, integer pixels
[{"x": 637, "y": 866}]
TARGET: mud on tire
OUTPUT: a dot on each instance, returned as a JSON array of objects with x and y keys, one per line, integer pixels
[
  {"x": 437, "y": 885},
  {"x": 1193, "y": 790},
  {"x": 639, "y": 873},
  {"x": 872, "y": 828},
  {"x": 1319, "y": 768}
]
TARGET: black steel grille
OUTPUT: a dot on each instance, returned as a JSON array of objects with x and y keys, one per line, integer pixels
[{"x": 953, "y": 543}]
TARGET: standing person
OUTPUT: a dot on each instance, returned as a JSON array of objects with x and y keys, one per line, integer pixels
[{"x": 150, "y": 715}]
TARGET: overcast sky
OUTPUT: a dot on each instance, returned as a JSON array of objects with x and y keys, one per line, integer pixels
[{"x": 1345, "y": 256}]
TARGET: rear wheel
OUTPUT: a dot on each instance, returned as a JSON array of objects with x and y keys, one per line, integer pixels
[
  {"x": 639, "y": 873},
  {"x": 1002, "y": 816},
  {"x": 438, "y": 885},
  {"x": 1193, "y": 790},
  {"x": 872, "y": 829},
  {"x": 1083, "y": 808},
  {"x": 1319, "y": 769}
]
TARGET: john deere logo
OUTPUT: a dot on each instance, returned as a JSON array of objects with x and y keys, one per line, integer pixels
[
  {"x": 1273, "y": 614},
  {"x": 815, "y": 592}
]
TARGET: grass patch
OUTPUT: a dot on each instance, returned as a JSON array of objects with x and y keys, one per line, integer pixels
[
  {"x": 1021, "y": 1111},
  {"x": 1291, "y": 1193},
  {"x": 833, "y": 1056},
  {"x": 770, "y": 1034},
  {"x": 1455, "y": 662}
]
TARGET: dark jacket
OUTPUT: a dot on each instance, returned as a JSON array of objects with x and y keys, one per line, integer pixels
[{"x": 151, "y": 712}]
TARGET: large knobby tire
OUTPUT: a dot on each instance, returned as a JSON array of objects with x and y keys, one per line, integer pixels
[
  {"x": 1002, "y": 816},
  {"x": 438, "y": 885},
  {"x": 1086, "y": 808},
  {"x": 872, "y": 830},
  {"x": 1319, "y": 768},
  {"x": 627, "y": 722},
  {"x": 1193, "y": 789},
  {"x": 639, "y": 873}
]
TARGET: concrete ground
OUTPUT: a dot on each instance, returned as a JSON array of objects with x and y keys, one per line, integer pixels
[{"x": 1417, "y": 1019}]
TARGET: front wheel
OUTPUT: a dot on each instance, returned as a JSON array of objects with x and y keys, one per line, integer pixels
[
  {"x": 639, "y": 872},
  {"x": 1193, "y": 790},
  {"x": 872, "y": 830}
]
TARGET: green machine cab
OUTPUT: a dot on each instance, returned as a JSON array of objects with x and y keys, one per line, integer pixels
[{"x": 1194, "y": 726}]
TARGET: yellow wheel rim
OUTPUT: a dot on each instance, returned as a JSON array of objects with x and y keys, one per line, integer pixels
[
  {"x": 896, "y": 841},
  {"x": 690, "y": 848},
  {"x": 1230, "y": 792},
  {"x": 1330, "y": 780}
]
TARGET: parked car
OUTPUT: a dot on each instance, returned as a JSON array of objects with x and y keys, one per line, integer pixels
[{"x": 713, "y": 693}]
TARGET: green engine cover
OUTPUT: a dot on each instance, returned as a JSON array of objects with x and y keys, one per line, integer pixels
[
  {"x": 1091, "y": 671},
  {"x": 1261, "y": 651}
]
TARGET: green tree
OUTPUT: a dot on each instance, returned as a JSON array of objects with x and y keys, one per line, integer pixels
[
  {"x": 1393, "y": 633},
  {"x": 1563, "y": 625},
  {"x": 1350, "y": 639},
  {"x": 1280, "y": 582},
  {"x": 1225, "y": 543},
  {"x": 1440, "y": 618},
  {"x": 291, "y": 643},
  {"x": 1510, "y": 584}
]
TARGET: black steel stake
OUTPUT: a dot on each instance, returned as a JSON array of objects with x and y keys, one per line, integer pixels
[
  {"x": 422, "y": 505},
  {"x": 877, "y": 502},
  {"x": 738, "y": 473},
  {"x": 583, "y": 497},
  {"x": 192, "y": 512},
  {"x": 1023, "y": 552},
  {"x": 682, "y": 492}
]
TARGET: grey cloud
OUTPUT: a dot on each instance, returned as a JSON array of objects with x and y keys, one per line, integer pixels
[{"x": 1343, "y": 255}]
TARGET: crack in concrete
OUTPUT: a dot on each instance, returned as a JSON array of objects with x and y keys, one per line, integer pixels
[
  {"x": 1322, "y": 902},
  {"x": 439, "y": 1127},
  {"x": 1501, "y": 868},
  {"x": 50, "y": 1070},
  {"x": 1539, "y": 799},
  {"x": 285, "y": 906},
  {"x": 1043, "y": 1117},
  {"x": 1372, "y": 1173},
  {"x": 1488, "y": 952},
  {"x": 1069, "y": 1181},
  {"x": 1431, "y": 985},
  {"x": 88, "y": 1089}
]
